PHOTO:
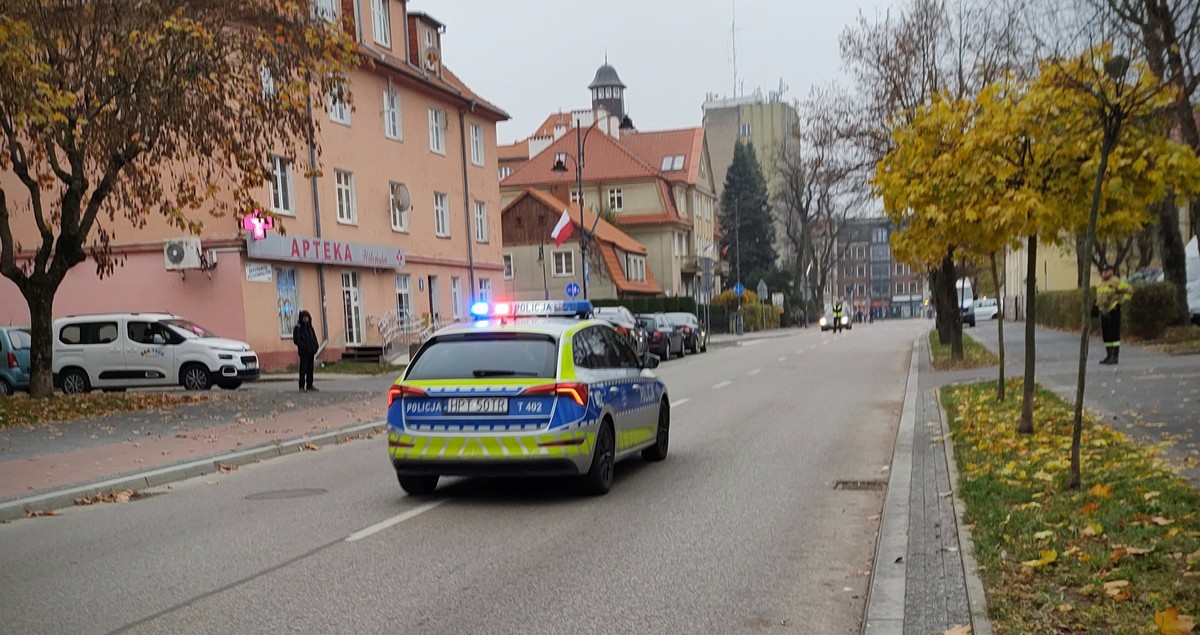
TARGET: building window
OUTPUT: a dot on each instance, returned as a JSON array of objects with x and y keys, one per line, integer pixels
[
  {"x": 339, "y": 109},
  {"x": 347, "y": 209},
  {"x": 849, "y": 290},
  {"x": 404, "y": 295},
  {"x": 635, "y": 268},
  {"x": 287, "y": 299},
  {"x": 393, "y": 122},
  {"x": 860, "y": 252},
  {"x": 862, "y": 271},
  {"x": 744, "y": 130},
  {"x": 325, "y": 9},
  {"x": 485, "y": 290},
  {"x": 504, "y": 172},
  {"x": 564, "y": 264},
  {"x": 913, "y": 288},
  {"x": 577, "y": 196},
  {"x": 281, "y": 186},
  {"x": 880, "y": 271},
  {"x": 381, "y": 23},
  {"x": 441, "y": 215},
  {"x": 437, "y": 130},
  {"x": 899, "y": 288},
  {"x": 399, "y": 217},
  {"x": 481, "y": 222},
  {"x": 879, "y": 235},
  {"x": 477, "y": 144},
  {"x": 616, "y": 200},
  {"x": 456, "y": 296},
  {"x": 862, "y": 289},
  {"x": 899, "y": 269},
  {"x": 352, "y": 308}
]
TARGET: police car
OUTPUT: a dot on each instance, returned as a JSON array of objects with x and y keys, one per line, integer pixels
[{"x": 528, "y": 389}]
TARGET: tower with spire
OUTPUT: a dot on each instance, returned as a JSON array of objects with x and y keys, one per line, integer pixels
[{"x": 607, "y": 91}]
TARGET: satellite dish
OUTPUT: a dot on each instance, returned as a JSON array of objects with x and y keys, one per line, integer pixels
[
  {"x": 401, "y": 197},
  {"x": 432, "y": 57}
]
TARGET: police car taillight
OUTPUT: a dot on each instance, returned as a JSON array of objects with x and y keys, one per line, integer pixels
[
  {"x": 578, "y": 391},
  {"x": 396, "y": 392}
]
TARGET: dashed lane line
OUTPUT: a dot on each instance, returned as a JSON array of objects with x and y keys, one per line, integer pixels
[
  {"x": 721, "y": 384},
  {"x": 679, "y": 402},
  {"x": 394, "y": 520}
]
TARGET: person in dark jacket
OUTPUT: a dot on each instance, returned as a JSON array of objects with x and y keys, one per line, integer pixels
[{"x": 305, "y": 339}]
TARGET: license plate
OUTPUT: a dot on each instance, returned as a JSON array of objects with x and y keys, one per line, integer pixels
[{"x": 477, "y": 406}]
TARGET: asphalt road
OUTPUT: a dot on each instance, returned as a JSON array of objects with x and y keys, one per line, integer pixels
[{"x": 740, "y": 530}]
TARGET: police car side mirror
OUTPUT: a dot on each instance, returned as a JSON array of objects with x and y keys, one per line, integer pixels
[{"x": 650, "y": 361}]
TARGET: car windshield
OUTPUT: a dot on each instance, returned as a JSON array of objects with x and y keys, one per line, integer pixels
[
  {"x": 20, "y": 340},
  {"x": 188, "y": 329},
  {"x": 479, "y": 355},
  {"x": 681, "y": 318}
]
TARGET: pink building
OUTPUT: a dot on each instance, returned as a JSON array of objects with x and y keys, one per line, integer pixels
[{"x": 352, "y": 253}]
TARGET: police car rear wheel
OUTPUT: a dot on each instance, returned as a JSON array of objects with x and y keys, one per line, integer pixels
[
  {"x": 662, "y": 440},
  {"x": 418, "y": 485},
  {"x": 599, "y": 477}
]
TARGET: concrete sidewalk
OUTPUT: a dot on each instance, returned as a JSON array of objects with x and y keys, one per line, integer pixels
[
  {"x": 1150, "y": 395},
  {"x": 48, "y": 466},
  {"x": 925, "y": 579}
]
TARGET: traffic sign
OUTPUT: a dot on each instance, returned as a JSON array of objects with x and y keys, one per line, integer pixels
[
  {"x": 572, "y": 290},
  {"x": 777, "y": 299},
  {"x": 739, "y": 289},
  {"x": 762, "y": 289}
]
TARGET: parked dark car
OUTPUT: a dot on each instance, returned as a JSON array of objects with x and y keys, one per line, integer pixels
[
  {"x": 695, "y": 335},
  {"x": 665, "y": 339},
  {"x": 14, "y": 359},
  {"x": 626, "y": 323}
]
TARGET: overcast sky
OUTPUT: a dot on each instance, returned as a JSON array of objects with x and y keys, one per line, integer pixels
[{"x": 536, "y": 57}]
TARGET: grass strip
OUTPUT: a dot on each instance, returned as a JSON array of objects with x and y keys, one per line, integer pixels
[
  {"x": 1120, "y": 555},
  {"x": 975, "y": 355},
  {"x": 21, "y": 410}
]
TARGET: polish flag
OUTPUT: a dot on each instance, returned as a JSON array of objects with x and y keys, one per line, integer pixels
[{"x": 563, "y": 230}]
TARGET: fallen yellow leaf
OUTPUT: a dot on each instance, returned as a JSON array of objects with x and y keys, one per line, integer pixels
[
  {"x": 1160, "y": 521},
  {"x": 1170, "y": 622},
  {"x": 1138, "y": 551},
  {"x": 1101, "y": 491},
  {"x": 1118, "y": 590},
  {"x": 1150, "y": 495},
  {"x": 959, "y": 630},
  {"x": 1048, "y": 556},
  {"x": 1043, "y": 535}
]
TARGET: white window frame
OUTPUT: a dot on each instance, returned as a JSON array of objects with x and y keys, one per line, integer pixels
[
  {"x": 399, "y": 219},
  {"x": 393, "y": 117},
  {"x": 347, "y": 199},
  {"x": 268, "y": 83},
  {"x": 563, "y": 263},
  {"x": 744, "y": 130},
  {"x": 441, "y": 215},
  {"x": 437, "y": 131},
  {"x": 339, "y": 108},
  {"x": 404, "y": 288},
  {"x": 456, "y": 297},
  {"x": 381, "y": 22},
  {"x": 325, "y": 9},
  {"x": 477, "y": 144},
  {"x": 577, "y": 195},
  {"x": 481, "y": 222},
  {"x": 616, "y": 199},
  {"x": 485, "y": 290},
  {"x": 635, "y": 268},
  {"x": 504, "y": 172},
  {"x": 509, "y": 270},
  {"x": 282, "y": 195}
]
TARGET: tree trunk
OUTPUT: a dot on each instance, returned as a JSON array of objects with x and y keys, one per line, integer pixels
[
  {"x": 941, "y": 311},
  {"x": 1026, "y": 426},
  {"x": 949, "y": 294},
  {"x": 1110, "y": 140},
  {"x": 999, "y": 326},
  {"x": 1082, "y": 256},
  {"x": 40, "y": 298},
  {"x": 1174, "y": 257}
]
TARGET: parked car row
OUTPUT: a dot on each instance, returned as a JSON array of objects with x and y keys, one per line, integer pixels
[
  {"x": 664, "y": 334},
  {"x": 116, "y": 351}
]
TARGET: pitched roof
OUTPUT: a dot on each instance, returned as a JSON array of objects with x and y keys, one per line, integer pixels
[
  {"x": 605, "y": 159},
  {"x": 518, "y": 150},
  {"x": 555, "y": 120},
  {"x": 447, "y": 83},
  {"x": 605, "y": 231},
  {"x": 653, "y": 146},
  {"x": 612, "y": 262}
]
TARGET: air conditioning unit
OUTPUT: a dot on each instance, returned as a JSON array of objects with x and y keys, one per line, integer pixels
[{"x": 181, "y": 253}]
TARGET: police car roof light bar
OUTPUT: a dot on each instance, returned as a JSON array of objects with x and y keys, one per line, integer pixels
[{"x": 554, "y": 308}]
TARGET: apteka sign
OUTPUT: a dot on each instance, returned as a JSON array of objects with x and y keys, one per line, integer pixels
[{"x": 325, "y": 251}]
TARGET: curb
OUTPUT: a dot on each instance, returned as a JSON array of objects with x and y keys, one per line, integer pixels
[
  {"x": 976, "y": 598},
  {"x": 885, "y": 596},
  {"x": 65, "y": 497}
]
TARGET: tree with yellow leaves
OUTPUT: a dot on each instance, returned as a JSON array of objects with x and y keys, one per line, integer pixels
[{"x": 113, "y": 111}]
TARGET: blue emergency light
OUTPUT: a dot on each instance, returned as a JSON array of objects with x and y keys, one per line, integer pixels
[{"x": 536, "y": 308}]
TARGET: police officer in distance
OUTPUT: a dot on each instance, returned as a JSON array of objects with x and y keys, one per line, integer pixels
[{"x": 1111, "y": 293}]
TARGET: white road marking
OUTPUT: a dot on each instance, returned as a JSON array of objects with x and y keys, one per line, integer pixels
[
  {"x": 721, "y": 384},
  {"x": 756, "y": 371},
  {"x": 800, "y": 351},
  {"x": 783, "y": 358},
  {"x": 394, "y": 520},
  {"x": 679, "y": 402}
]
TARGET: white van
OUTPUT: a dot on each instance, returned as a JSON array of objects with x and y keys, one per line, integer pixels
[{"x": 115, "y": 351}]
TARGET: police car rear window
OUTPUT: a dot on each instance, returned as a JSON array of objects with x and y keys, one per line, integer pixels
[{"x": 487, "y": 355}]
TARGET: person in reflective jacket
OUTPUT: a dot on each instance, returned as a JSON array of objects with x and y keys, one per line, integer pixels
[
  {"x": 837, "y": 316},
  {"x": 1111, "y": 293}
]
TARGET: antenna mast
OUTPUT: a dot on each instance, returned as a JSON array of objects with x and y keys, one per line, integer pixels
[{"x": 733, "y": 37}]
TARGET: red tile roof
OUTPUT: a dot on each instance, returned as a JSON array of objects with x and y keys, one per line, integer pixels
[
  {"x": 447, "y": 84},
  {"x": 653, "y": 146},
  {"x": 612, "y": 262},
  {"x": 605, "y": 159},
  {"x": 518, "y": 150}
]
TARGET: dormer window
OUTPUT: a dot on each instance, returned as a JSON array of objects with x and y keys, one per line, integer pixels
[
  {"x": 381, "y": 22},
  {"x": 672, "y": 162}
]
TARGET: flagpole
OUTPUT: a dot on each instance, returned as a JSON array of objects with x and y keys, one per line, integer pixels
[{"x": 582, "y": 225}]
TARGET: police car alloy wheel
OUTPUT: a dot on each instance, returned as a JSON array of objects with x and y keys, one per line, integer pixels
[
  {"x": 418, "y": 485},
  {"x": 658, "y": 451},
  {"x": 599, "y": 478}
]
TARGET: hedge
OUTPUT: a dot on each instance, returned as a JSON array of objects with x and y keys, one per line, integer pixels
[{"x": 1146, "y": 316}]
